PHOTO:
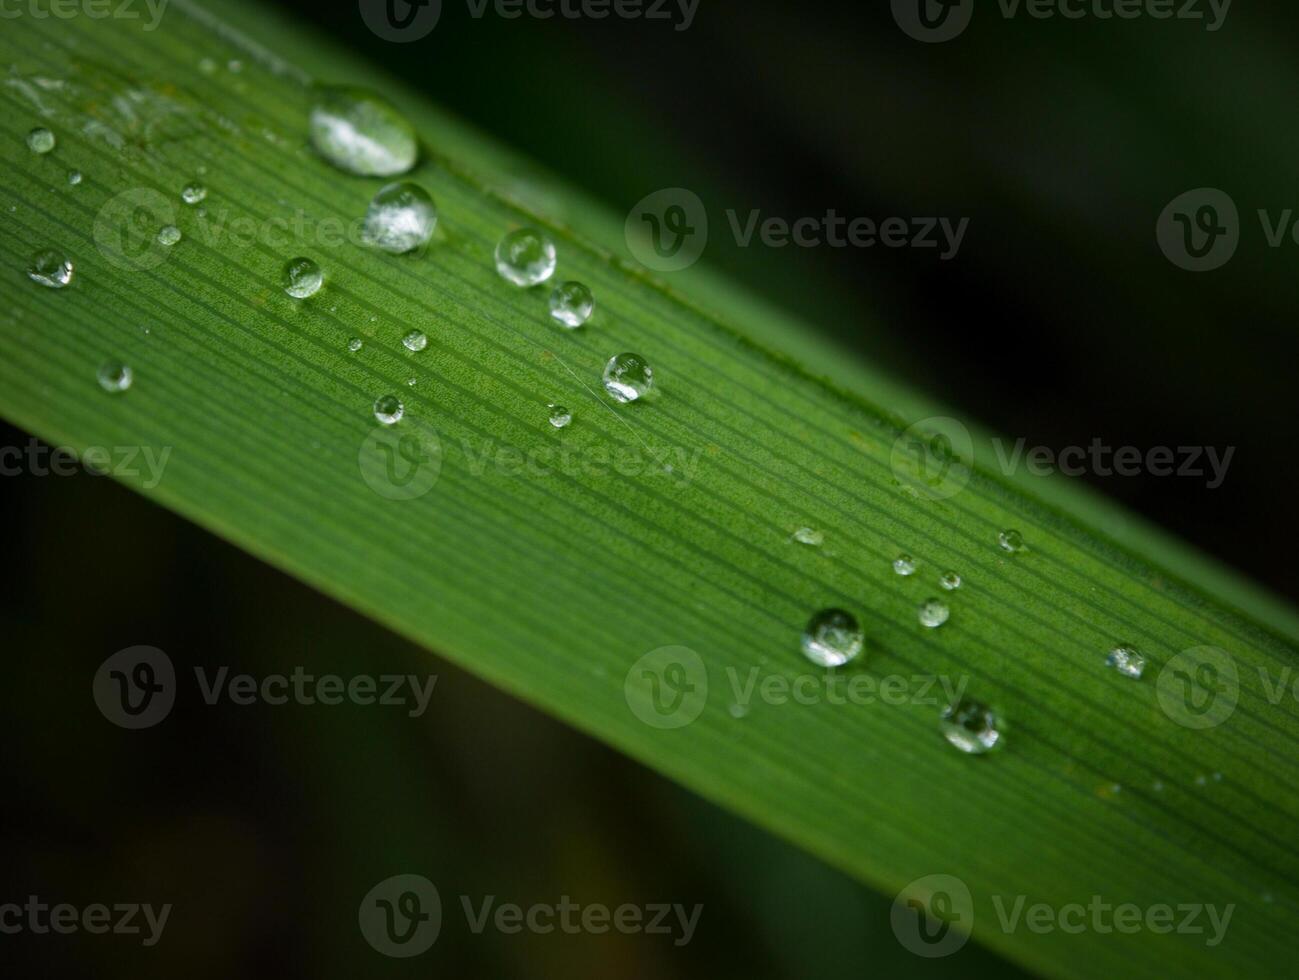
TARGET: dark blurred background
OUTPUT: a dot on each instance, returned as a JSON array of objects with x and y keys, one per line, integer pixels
[{"x": 1059, "y": 321}]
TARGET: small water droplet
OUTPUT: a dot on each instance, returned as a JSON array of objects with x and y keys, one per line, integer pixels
[
  {"x": 832, "y": 638},
  {"x": 169, "y": 235},
  {"x": 40, "y": 140},
  {"x": 194, "y": 193},
  {"x": 572, "y": 304},
  {"x": 50, "y": 268},
  {"x": 904, "y": 565},
  {"x": 525, "y": 257},
  {"x": 933, "y": 613},
  {"x": 415, "y": 341},
  {"x": 950, "y": 581},
  {"x": 970, "y": 725},
  {"x": 1011, "y": 541},
  {"x": 388, "y": 409},
  {"x": 361, "y": 133},
  {"x": 302, "y": 278},
  {"x": 411, "y": 382},
  {"x": 74, "y": 177},
  {"x": 400, "y": 219},
  {"x": 114, "y": 377},
  {"x": 628, "y": 377},
  {"x": 560, "y": 416},
  {"x": 1127, "y": 660},
  {"x": 355, "y": 344},
  {"x": 809, "y": 536}
]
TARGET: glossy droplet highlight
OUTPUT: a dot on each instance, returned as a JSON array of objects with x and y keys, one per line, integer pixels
[
  {"x": 950, "y": 581},
  {"x": 361, "y": 133},
  {"x": 415, "y": 341},
  {"x": 628, "y": 377},
  {"x": 355, "y": 344},
  {"x": 114, "y": 377},
  {"x": 400, "y": 219},
  {"x": 832, "y": 638},
  {"x": 933, "y": 613},
  {"x": 388, "y": 409},
  {"x": 169, "y": 235},
  {"x": 1011, "y": 541},
  {"x": 560, "y": 417},
  {"x": 193, "y": 194},
  {"x": 904, "y": 565},
  {"x": 50, "y": 268},
  {"x": 572, "y": 304},
  {"x": 1127, "y": 660},
  {"x": 302, "y": 278},
  {"x": 970, "y": 725},
  {"x": 74, "y": 177},
  {"x": 809, "y": 536},
  {"x": 525, "y": 257},
  {"x": 40, "y": 140}
]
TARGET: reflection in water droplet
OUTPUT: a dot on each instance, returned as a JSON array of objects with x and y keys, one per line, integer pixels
[
  {"x": 193, "y": 194},
  {"x": 388, "y": 409},
  {"x": 50, "y": 268},
  {"x": 904, "y": 565},
  {"x": 809, "y": 536},
  {"x": 355, "y": 344},
  {"x": 933, "y": 613},
  {"x": 400, "y": 219},
  {"x": 1127, "y": 660},
  {"x": 74, "y": 177},
  {"x": 525, "y": 257},
  {"x": 361, "y": 133},
  {"x": 169, "y": 235},
  {"x": 572, "y": 304},
  {"x": 1011, "y": 541},
  {"x": 970, "y": 725},
  {"x": 950, "y": 581},
  {"x": 832, "y": 638},
  {"x": 114, "y": 377},
  {"x": 560, "y": 416},
  {"x": 40, "y": 140},
  {"x": 302, "y": 278},
  {"x": 415, "y": 341},
  {"x": 628, "y": 377}
]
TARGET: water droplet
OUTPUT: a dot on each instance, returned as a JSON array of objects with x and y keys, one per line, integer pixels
[
  {"x": 738, "y": 711},
  {"x": 361, "y": 133},
  {"x": 1127, "y": 660},
  {"x": 832, "y": 638},
  {"x": 950, "y": 581},
  {"x": 933, "y": 613},
  {"x": 50, "y": 268},
  {"x": 560, "y": 416},
  {"x": 628, "y": 377},
  {"x": 904, "y": 565},
  {"x": 572, "y": 304},
  {"x": 355, "y": 344},
  {"x": 1011, "y": 541},
  {"x": 169, "y": 235},
  {"x": 411, "y": 382},
  {"x": 525, "y": 257},
  {"x": 207, "y": 66},
  {"x": 400, "y": 219},
  {"x": 389, "y": 409},
  {"x": 809, "y": 536},
  {"x": 194, "y": 193},
  {"x": 114, "y": 377},
  {"x": 970, "y": 725},
  {"x": 40, "y": 140},
  {"x": 415, "y": 341},
  {"x": 302, "y": 278},
  {"x": 74, "y": 177}
]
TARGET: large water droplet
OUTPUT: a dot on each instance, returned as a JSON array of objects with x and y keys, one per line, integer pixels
[
  {"x": 560, "y": 417},
  {"x": 114, "y": 377},
  {"x": 628, "y": 377},
  {"x": 933, "y": 613},
  {"x": 302, "y": 278},
  {"x": 361, "y": 133},
  {"x": 40, "y": 140},
  {"x": 194, "y": 193},
  {"x": 169, "y": 235},
  {"x": 809, "y": 536},
  {"x": 525, "y": 257},
  {"x": 50, "y": 268},
  {"x": 950, "y": 581},
  {"x": 970, "y": 725},
  {"x": 400, "y": 219},
  {"x": 388, "y": 409},
  {"x": 904, "y": 565},
  {"x": 1011, "y": 541},
  {"x": 1127, "y": 660},
  {"x": 415, "y": 341},
  {"x": 832, "y": 638},
  {"x": 572, "y": 304}
]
